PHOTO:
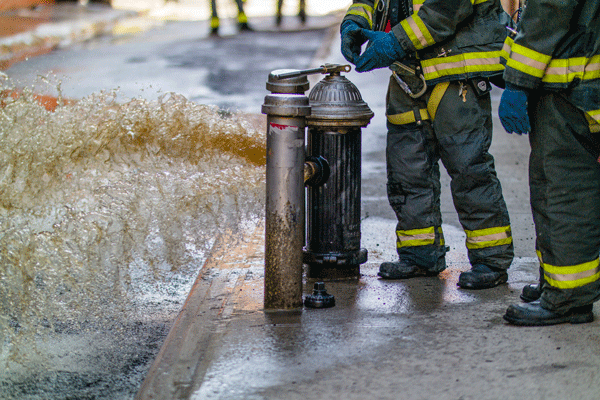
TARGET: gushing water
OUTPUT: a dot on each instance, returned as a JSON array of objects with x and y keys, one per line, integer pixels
[{"x": 107, "y": 208}]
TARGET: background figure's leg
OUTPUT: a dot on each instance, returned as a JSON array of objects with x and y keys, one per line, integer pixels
[
  {"x": 242, "y": 18},
  {"x": 279, "y": 15},
  {"x": 302, "y": 11},
  {"x": 214, "y": 20}
]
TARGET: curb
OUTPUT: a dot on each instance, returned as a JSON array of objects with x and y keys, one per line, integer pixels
[{"x": 231, "y": 279}]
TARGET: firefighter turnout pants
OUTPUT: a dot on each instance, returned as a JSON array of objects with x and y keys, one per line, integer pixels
[
  {"x": 451, "y": 122},
  {"x": 564, "y": 180}
]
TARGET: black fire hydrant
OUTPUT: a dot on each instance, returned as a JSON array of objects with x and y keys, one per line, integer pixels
[{"x": 328, "y": 241}]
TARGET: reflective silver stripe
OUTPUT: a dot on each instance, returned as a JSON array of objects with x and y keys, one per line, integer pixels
[
  {"x": 461, "y": 64},
  {"x": 571, "y": 276},
  {"x": 488, "y": 237},
  {"x": 418, "y": 237}
]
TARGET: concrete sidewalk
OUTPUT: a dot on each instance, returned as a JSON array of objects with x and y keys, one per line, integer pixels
[{"x": 415, "y": 339}]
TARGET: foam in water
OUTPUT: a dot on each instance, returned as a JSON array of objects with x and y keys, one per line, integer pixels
[{"x": 107, "y": 210}]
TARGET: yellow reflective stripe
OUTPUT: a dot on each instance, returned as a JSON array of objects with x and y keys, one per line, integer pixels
[
  {"x": 362, "y": 10},
  {"x": 593, "y": 119},
  {"x": 569, "y": 69},
  {"x": 242, "y": 18},
  {"x": 441, "y": 235},
  {"x": 532, "y": 55},
  {"x": 528, "y": 61},
  {"x": 417, "y": 32},
  {"x": 436, "y": 97},
  {"x": 571, "y": 276},
  {"x": 488, "y": 237},
  {"x": 595, "y": 114},
  {"x": 214, "y": 22},
  {"x": 416, "y": 237},
  {"x": 478, "y": 1},
  {"x": 505, "y": 52},
  {"x": 461, "y": 64},
  {"x": 417, "y": 4}
]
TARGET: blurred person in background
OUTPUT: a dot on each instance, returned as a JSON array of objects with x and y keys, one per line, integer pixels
[
  {"x": 241, "y": 18},
  {"x": 301, "y": 12}
]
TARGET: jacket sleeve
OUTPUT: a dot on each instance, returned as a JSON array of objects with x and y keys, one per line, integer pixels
[
  {"x": 544, "y": 25},
  {"x": 361, "y": 12},
  {"x": 434, "y": 22}
]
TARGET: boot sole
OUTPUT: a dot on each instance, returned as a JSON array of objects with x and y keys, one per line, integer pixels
[
  {"x": 528, "y": 299},
  {"x": 572, "y": 318},
  {"x": 405, "y": 276},
  {"x": 488, "y": 285}
]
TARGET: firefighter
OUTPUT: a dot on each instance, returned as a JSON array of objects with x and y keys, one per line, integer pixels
[
  {"x": 442, "y": 54},
  {"x": 215, "y": 22},
  {"x": 553, "y": 92}
]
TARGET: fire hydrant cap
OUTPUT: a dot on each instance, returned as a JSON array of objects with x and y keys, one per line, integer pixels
[
  {"x": 335, "y": 101},
  {"x": 288, "y": 105},
  {"x": 296, "y": 85},
  {"x": 319, "y": 297}
]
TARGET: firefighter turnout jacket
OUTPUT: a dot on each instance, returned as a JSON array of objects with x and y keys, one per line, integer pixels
[
  {"x": 453, "y": 39},
  {"x": 558, "y": 48},
  {"x": 456, "y": 45}
]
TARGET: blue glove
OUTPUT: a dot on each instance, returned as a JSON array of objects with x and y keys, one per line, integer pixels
[
  {"x": 513, "y": 110},
  {"x": 352, "y": 40},
  {"x": 382, "y": 51}
]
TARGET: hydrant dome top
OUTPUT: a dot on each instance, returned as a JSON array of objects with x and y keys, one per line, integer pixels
[{"x": 335, "y": 101}]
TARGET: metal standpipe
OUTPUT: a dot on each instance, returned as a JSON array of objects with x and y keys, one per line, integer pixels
[{"x": 286, "y": 108}]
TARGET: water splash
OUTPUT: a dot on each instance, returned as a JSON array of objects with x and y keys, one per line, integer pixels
[{"x": 104, "y": 204}]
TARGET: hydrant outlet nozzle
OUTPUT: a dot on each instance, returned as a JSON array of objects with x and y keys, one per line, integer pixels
[{"x": 316, "y": 171}]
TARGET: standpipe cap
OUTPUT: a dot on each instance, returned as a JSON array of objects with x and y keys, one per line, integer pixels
[{"x": 296, "y": 85}]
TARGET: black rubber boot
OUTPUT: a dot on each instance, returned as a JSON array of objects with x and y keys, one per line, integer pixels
[
  {"x": 302, "y": 16},
  {"x": 244, "y": 27},
  {"x": 402, "y": 270},
  {"x": 482, "y": 277},
  {"x": 533, "y": 314},
  {"x": 531, "y": 292}
]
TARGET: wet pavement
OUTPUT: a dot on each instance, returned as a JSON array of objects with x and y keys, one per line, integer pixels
[{"x": 416, "y": 339}]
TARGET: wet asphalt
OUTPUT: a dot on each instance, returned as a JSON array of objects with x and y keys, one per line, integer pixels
[{"x": 416, "y": 339}]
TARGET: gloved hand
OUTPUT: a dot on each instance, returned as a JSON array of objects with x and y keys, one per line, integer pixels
[
  {"x": 382, "y": 51},
  {"x": 513, "y": 110},
  {"x": 352, "y": 40}
]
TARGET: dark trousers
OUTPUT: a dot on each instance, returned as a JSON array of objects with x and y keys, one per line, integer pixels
[
  {"x": 457, "y": 130},
  {"x": 564, "y": 181}
]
